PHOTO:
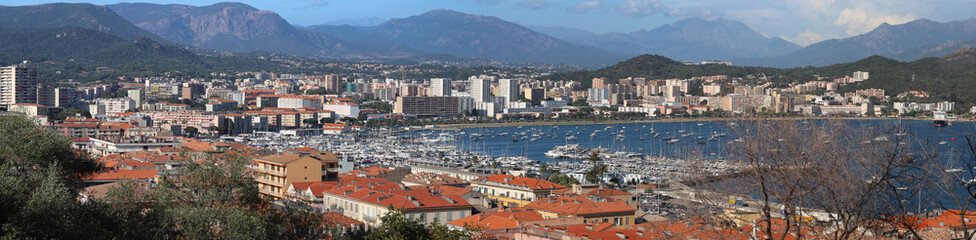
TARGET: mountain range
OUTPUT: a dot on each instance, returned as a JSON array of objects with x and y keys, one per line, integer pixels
[
  {"x": 83, "y": 15},
  {"x": 949, "y": 78},
  {"x": 448, "y": 36},
  {"x": 690, "y": 39},
  {"x": 906, "y": 42},
  {"x": 467, "y": 35}
]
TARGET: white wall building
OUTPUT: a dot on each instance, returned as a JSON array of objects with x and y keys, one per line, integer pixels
[
  {"x": 481, "y": 90},
  {"x": 440, "y": 87},
  {"x": 343, "y": 109}
]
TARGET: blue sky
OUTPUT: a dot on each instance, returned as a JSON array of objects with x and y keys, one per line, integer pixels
[{"x": 799, "y": 21}]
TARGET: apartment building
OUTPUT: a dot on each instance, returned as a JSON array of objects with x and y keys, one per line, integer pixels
[
  {"x": 275, "y": 173},
  {"x": 426, "y": 105},
  {"x": 342, "y": 109},
  {"x": 512, "y": 191},
  {"x": 617, "y": 212},
  {"x": 18, "y": 84},
  {"x": 367, "y": 203}
]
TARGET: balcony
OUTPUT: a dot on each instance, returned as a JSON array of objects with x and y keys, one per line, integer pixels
[
  {"x": 266, "y": 181},
  {"x": 268, "y": 171},
  {"x": 268, "y": 192}
]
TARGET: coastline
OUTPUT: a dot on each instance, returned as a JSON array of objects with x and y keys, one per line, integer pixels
[{"x": 670, "y": 120}]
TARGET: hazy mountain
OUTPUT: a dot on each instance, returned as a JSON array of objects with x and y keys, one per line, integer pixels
[
  {"x": 74, "y": 53},
  {"x": 691, "y": 40},
  {"x": 231, "y": 26},
  {"x": 83, "y": 15},
  {"x": 359, "y": 22},
  {"x": 561, "y": 32},
  {"x": 909, "y": 41},
  {"x": 467, "y": 35},
  {"x": 965, "y": 56}
]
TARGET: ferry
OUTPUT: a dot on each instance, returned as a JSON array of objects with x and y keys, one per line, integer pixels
[{"x": 939, "y": 119}]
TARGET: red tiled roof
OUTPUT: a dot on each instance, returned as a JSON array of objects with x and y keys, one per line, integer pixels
[
  {"x": 123, "y": 174},
  {"x": 530, "y": 183},
  {"x": 578, "y": 205},
  {"x": 497, "y": 220}
]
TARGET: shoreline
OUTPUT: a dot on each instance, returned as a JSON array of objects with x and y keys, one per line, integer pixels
[{"x": 672, "y": 120}]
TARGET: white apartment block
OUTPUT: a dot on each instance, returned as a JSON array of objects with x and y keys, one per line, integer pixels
[
  {"x": 342, "y": 110},
  {"x": 18, "y": 84}
]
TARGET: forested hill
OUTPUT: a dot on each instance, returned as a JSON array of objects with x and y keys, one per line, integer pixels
[
  {"x": 944, "y": 80},
  {"x": 658, "y": 67},
  {"x": 75, "y": 52}
]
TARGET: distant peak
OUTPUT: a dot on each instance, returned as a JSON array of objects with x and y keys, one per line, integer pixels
[
  {"x": 442, "y": 12},
  {"x": 233, "y": 4}
]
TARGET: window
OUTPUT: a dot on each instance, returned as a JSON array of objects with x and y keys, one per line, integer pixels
[{"x": 450, "y": 216}]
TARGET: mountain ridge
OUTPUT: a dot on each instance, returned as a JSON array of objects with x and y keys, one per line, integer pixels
[
  {"x": 902, "y": 42},
  {"x": 691, "y": 39}
]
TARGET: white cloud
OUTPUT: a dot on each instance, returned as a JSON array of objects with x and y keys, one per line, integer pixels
[
  {"x": 858, "y": 21},
  {"x": 640, "y": 8},
  {"x": 534, "y": 4},
  {"x": 822, "y": 6},
  {"x": 530, "y": 4},
  {"x": 697, "y": 12},
  {"x": 805, "y": 38},
  {"x": 585, "y": 6},
  {"x": 316, "y": 3}
]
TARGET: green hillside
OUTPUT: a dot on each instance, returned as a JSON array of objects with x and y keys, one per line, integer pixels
[
  {"x": 944, "y": 80},
  {"x": 76, "y": 52}
]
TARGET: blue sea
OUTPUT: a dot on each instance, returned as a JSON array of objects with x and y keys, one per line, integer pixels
[
  {"x": 694, "y": 142},
  {"x": 696, "y": 138}
]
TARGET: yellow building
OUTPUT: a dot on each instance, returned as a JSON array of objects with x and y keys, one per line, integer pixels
[
  {"x": 512, "y": 191},
  {"x": 276, "y": 172}
]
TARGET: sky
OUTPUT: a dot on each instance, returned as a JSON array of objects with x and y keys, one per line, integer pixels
[{"x": 799, "y": 21}]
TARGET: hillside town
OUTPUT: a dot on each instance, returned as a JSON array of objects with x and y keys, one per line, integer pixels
[{"x": 310, "y": 143}]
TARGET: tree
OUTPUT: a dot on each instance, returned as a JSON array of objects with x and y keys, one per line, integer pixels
[
  {"x": 581, "y": 103},
  {"x": 397, "y": 226},
  {"x": 563, "y": 179},
  {"x": 799, "y": 169},
  {"x": 310, "y": 122},
  {"x": 70, "y": 111},
  {"x": 327, "y": 120},
  {"x": 191, "y": 131}
]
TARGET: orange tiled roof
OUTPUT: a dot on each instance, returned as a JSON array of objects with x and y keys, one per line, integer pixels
[
  {"x": 530, "y": 183},
  {"x": 498, "y": 220},
  {"x": 123, "y": 174},
  {"x": 578, "y": 205},
  {"x": 371, "y": 171}
]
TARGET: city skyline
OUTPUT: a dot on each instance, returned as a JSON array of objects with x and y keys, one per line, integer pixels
[{"x": 801, "y": 22}]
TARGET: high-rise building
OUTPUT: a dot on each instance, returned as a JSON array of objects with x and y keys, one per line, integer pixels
[
  {"x": 599, "y": 83},
  {"x": 427, "y": 105},
  {"x": 440, "y": 87},
  {"x": 508, "y": 89},
  {"x": 18, "y": 84},
  {"x": 65, "y": 97},
  {"x": 136, "y": 95},
  {"x": 45, "y": 95},
  {"x": 481, "y": 89},
  {"x": 861, "y": 76}
]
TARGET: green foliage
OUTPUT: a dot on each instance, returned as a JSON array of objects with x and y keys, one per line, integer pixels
[
  {"x": 70, "y": 111},
  {"x": 943, "y": 80},
  {"x": 310, "y": 122},
  {"x": 74, "y": 53},
  {"x": 32, "y": 148},
  {"x": 563, "y": 179},
  {"x": 380, "y": 106},
  {"x": 396, "y": 226}
]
